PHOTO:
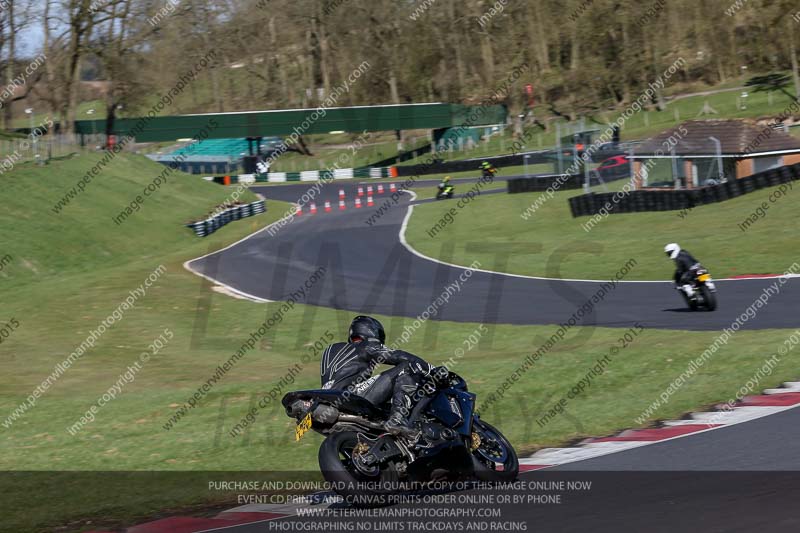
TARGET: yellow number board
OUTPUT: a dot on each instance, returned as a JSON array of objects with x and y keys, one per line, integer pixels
[
  {"x": 704, "y": 277},
  {"x": 302, "y": 427}
]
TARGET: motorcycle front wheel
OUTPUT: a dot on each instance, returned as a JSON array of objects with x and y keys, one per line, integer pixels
[
  {"x": 690, "y": 302},
  {"x": 494, "y": 459}
]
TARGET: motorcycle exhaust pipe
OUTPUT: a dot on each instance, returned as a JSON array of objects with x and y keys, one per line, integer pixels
[{"x": 353, "y": 419}]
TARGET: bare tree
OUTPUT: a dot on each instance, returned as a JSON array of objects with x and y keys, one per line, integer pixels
[{"x": 16, "y": 17}]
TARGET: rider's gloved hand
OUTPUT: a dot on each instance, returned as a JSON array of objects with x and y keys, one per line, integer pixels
[{"x": 439, "y": 373}]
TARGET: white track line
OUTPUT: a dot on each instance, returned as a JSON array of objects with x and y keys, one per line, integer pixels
[
  {"x": 223, "y": 528},
  {"x": 597, "y": 451},
  {"x": 403, "y": 240},
  {"x": 187, "y": 264}
]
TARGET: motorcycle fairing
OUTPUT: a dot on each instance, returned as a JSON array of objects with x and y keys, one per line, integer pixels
[
  {"x": 351, "y": 403},
  {"x": 454, "y": 408}
]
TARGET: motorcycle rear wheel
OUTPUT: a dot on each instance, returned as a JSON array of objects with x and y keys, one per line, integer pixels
[
  {"x": 494, "y": 452},
  {"x": 336, "y": 463},
  {"x": 709, "y": 298}
]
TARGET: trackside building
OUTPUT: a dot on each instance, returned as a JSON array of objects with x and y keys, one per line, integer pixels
[{"x": 705, "y": 152}]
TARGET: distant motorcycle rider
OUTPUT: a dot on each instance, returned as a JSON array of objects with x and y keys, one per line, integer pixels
[
  {"x": 488, "y": 169},
  {"x": 350, "y": 364},
  {"x": 444, "y": 183},
  {"x": 685, "y": 268}
]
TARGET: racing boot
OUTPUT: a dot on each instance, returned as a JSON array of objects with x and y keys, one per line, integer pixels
[{"x": 397, "y": 424}]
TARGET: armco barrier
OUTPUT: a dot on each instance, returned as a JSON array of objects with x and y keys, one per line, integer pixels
[
  {"x": 308, "y": 175},
  {"x": 437, "y": 166},
  {"x": 405, "y": 156},
  {"x": 434, "y": 166},
  {"x": 542, "y": 183},
  {"x": 208, "y": 226},
  {"x": 670, "y": 200}
]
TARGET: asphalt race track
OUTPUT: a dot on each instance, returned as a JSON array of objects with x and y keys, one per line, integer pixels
[
  {"x": 369, "y": 270},
  {"x": 739, "y": 478}
]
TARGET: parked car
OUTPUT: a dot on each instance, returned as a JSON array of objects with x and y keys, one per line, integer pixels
[{"x": 614, "y": 168}]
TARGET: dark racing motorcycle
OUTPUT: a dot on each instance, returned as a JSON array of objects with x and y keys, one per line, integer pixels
[
  {"x": 704, "y": 292},
  {"x": 358, "y": 457}
]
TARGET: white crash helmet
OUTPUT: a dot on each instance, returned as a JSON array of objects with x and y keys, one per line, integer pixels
[{"x": 672, "y": 250}]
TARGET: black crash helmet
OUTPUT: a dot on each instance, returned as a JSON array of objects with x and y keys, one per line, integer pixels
[{"x": 366, "y": 328}]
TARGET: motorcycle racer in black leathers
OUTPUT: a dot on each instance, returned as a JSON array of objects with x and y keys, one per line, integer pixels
[
  {"x": 685, "y": 267},
  {"x": 350, "y": 364}
]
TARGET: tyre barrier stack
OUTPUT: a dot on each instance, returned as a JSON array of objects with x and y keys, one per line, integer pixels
[
  {"x": 542, "y": 183},
  {"x": 258, "y": 207},
  {"x": 205, "y": 227},
  {"x": 671, "y": 200}
]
